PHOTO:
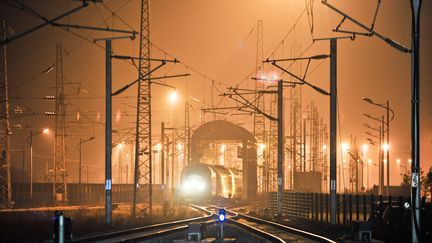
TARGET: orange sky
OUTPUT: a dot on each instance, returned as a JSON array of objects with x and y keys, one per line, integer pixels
[{"x": 218, "y": 39}]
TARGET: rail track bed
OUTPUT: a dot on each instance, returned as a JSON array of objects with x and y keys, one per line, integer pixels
[
  {"x": 274, "y": 231},
  {"x": 244, "y": 228},
  {"x": 147, "y": 232}
]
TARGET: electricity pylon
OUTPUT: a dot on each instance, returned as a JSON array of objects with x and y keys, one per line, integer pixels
[
  {"x": 142, "y": 197},
  {"x": 5, "y": 131},
  {"x": 60, "y": 170}
]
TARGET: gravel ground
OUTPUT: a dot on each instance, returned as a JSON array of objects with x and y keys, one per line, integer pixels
[
  {"x": 230, "y": 231},
  {"x": 37, "y": 225}
]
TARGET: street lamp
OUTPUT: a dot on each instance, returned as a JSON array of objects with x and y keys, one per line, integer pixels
[
  {"x": 369, "y": 163},
  {"x": 173, "y": 97},
  {"x": 30, "y": 142},
  {"x": 379, "y": 145},
  {"x": 388, "y": 120},
  {"x": 79, "y": 145}
]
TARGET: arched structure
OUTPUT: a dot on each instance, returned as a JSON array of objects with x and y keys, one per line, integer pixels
[{"x": 208, "y": 134}]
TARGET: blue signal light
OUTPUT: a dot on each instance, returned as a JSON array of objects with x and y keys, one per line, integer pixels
[{"x": 222, "y": 215}]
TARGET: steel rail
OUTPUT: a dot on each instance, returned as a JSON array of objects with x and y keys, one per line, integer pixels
[
  {"x": 140, "y": 232},
  {"x": 266, "y": 235},
  {"x": 286, "y": 228}
]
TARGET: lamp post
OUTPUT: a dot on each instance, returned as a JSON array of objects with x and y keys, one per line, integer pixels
[
  {"x": 388, "y": 120},
  {"x": 30, "y": 142},
  {"x": 79, "y": 147},
  {"x": 174, "y": 97},
  {"x": 381, "y": 152},
  {"x": 368, "y": 166}
]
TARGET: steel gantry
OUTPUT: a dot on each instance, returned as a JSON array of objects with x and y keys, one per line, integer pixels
[{"x": 5, "y": 131}]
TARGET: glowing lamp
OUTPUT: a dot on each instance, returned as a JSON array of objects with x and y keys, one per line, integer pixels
[
  {"x": 173, "y": 97},
  {"x": 222, "y": 215}
]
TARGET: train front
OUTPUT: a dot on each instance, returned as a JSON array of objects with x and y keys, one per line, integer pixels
[{"x": 197, "y": 182}]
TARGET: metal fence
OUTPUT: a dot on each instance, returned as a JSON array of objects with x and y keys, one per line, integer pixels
[
  {"x": 77, "y": 194},
  {"x": 315, "y": 206}
]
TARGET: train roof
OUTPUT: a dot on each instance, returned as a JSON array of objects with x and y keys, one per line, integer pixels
[{"x": 221, "y": 130}]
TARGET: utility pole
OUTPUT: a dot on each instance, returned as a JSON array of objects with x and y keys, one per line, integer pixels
[
  {"x": 108, "y": 125},
  {"x": 79, "y": 147},
  {"x": 281, "y": 146},
  {"x": 247, "y": 103},
  {"x": 386, "y": 130},
  {"x": 388, "y": 146},
  {"x": 381, "y": 177},
  {"x": 108, "y": 132},
  {"x": 333, "y": 128},
  {"x": 302, "y": 81},
  {"x": 162, "y": 158},
  {"x": 188, "y": 133},
  {"x": 415, "y": 122},
  {"x": 60, "y": 169},
  {"x": 22, "y": 166},
  {"x": 120, "y": 165},
  {"x": 31, "y": 165},
  {"x": 173, "y": 149},
  {"x": 5, "y": 131},
  {"x": 415, "y": 101}
]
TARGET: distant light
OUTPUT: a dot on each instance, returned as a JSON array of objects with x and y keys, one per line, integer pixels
[
  {"x": 222, "y": 217},
  {"x": 118, "y": 115},
  {"x": 158, "y": 146},
  {"x": 324, "y": 147},
  {"x": 369, "y": 161},
  {"x": 345, "y": 147},
  {"x": 365, "y": 148},
  {"x": 409, "y": 161},
  {"x": 262, "y": 146},
  {"x": 50, "y": 113},
  {"x": 120, "y": 145},
  {"x": 45, "y": 131},
  {"x": 173, "y": 97},
  {"x": 222, "y": 148},
  {"x": 180, "y": 146},
  {"x": 398, "y": 161},
  {"x": 385, "y": 146}
]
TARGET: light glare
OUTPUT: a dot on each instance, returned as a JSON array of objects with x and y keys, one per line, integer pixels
[
  {"x": 345, "y": 147},
  {"x": 173, "y": 97}
]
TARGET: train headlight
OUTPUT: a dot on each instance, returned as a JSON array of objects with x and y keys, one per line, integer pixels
[{"x": 194, "y": 184}]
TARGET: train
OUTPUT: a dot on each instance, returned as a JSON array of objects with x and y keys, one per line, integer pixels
[{"x": 204, "y": 182}]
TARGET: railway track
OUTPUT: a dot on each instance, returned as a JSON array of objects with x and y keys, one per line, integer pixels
[
  {"x": 147, "y": 232},
  {"x": 273, "y": 231}
]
